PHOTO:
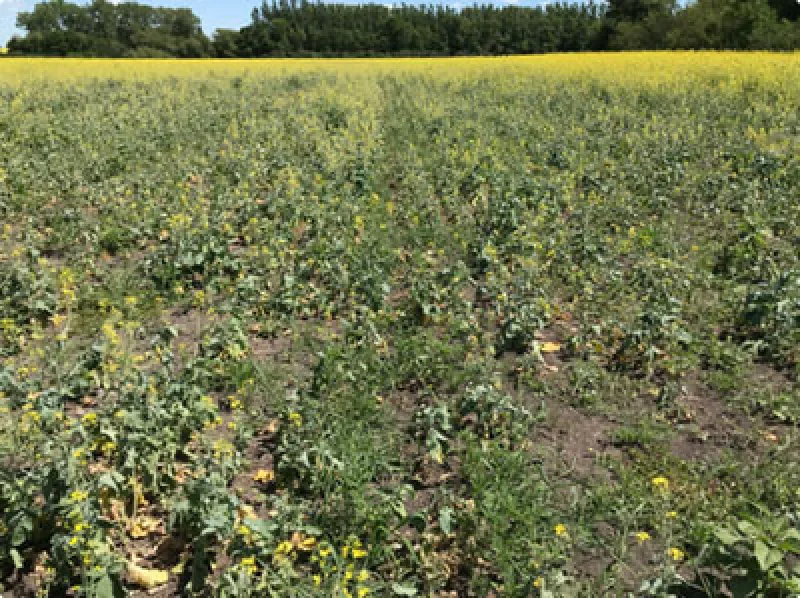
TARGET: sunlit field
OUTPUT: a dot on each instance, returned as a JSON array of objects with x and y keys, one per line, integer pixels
[
  {"x": 518, "y": 326},
  {"x": 777, "y": 70}
]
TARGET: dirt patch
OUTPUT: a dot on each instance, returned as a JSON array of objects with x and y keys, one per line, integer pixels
[
  {"x": 263, "y": 349},
  {"x": 190, "y": 324},
  {"x": 705, "y": 426},
  {"x": 576, "y": 440}
]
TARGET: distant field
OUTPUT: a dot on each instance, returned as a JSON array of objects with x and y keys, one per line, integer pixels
[
  {"x": 523, "y": 326},
  {"x": 778, "y": 70}
]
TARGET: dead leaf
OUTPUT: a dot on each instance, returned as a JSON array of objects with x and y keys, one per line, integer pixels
[
  {"x": 146, "y": 578},
  {"x": 142, "y": 526},
  {"x": 272, "y": 427}
]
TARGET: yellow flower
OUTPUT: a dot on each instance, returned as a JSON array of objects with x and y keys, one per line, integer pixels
[
  {"x": 296, "y": 418},
  {"x": 78, "y": 495},
  {"x": 672, "y": 514},
  {"x": 363, "y": 592},
  {"x": 676, "y": 554},
  {"x": 561, "y": 530},
  {"x": 358, "y": 553},
  {"x": 363, "y": 575},
  {"x": 111, "y": 335},
  {"x": 642, "y": 537},
  {"x": 317, "y": 580},
  {"x": 90, "y": 419},
  {"x": 284, "y": 547},
  {"x": 303, "y": 543},
  {"x": 324, "y": 552},
  {"x": 660, "y": 483},
  {"x": 73, "y": 541},
  {"x": 537, "y": 583},
  {"x": 264, "y": 476},
  {"x": 248, "y": 563}
]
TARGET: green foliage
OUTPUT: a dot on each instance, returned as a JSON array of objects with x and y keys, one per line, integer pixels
[
  {"x": 306, "y": 29},
  {"x": 58, "y": 28},
  {"x": 508, "y": 332},
  {"x": 755, "y": 557}
]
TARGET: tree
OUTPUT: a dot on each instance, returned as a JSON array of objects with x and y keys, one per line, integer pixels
[
  {"x": 226, "y": 43},
  {"x": 105, "y": 29},
  {"x": 786, "y": 9},
  {"x": 638, "y": 10}
]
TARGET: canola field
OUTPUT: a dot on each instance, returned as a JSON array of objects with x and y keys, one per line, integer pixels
[{"x": 518, "y": 326}]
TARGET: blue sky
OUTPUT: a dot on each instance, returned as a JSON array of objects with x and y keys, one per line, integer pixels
[{"x": 215, "y": 14}]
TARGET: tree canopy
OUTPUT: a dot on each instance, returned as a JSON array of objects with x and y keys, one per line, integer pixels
[
  {"x": 105, "y": 29},
  {"x": 301, "y": 28}
]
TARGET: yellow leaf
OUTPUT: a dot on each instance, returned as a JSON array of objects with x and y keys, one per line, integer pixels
[
  {"x": 143, "y": 526},
  {"x": 146, "y": 578},
  {"x": 550, "y": 347}
]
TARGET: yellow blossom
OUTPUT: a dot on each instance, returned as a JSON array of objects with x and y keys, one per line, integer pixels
[
  {"x": 264, "y": 476},
  {"x": 676, "y": 554},
  {"x": 248, "y": 563},
  {"x": 642, "y": 537},
  {"x": 561, "y": 530},
  {"x": 660, "y": 483},
  {"x": 78, "y": 495}
]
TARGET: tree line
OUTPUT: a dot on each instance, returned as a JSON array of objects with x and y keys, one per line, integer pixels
[{"x": 302, "y": 28}]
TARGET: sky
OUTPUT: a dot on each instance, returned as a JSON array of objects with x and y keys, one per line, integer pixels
[{"x": 215, "y": 14}]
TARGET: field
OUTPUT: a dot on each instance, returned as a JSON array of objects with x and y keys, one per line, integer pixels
[{"x": 470, "y": 327}]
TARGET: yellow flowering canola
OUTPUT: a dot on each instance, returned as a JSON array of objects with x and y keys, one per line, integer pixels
[{"x": 731, "y": 68}]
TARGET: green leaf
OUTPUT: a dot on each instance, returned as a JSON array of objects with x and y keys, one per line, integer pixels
[
  {"x": 404, "y": 589},
  {"x": 446, "y": 519},
  {"x": 761, "y": 552},
  {"x": 726, "y": 536},
  {"x": 104, "y": 588},
  {"x": 748, "y": 528},
  {"x": 17, "y": 558}
]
